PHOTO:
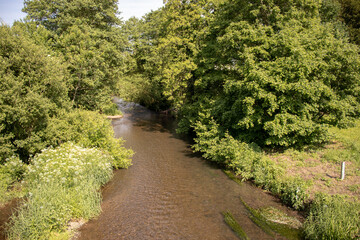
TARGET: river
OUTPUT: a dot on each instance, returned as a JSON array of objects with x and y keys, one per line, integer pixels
[{"x": 169, "y": 192}]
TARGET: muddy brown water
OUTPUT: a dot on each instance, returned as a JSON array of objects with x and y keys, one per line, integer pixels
[{"x": 168, "y": 192}]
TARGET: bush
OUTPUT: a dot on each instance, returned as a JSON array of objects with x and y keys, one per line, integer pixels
[
  {"x": 293, "y": 193},
  {"x": 10, "y": 173},
  {"x": 62, "y": 184},
  {"x": 266, "y": 174},
  {"x": 248, "y": 162},
  {"x": 33, "y": 89},
  {"x": 89, "y": 129},
  {"x": 333, "y": 217}
]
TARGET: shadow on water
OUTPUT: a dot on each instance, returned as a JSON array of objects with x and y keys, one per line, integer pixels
[{"x": 169, "y": 192}]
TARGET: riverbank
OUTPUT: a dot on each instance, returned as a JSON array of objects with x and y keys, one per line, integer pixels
[
  {"x": 169, "y": 192},
  {"x": 61, "y": 184},
  {"x": 307, "y": 180}
]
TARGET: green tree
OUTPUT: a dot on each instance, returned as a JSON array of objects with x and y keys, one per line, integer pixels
[
  {"x": 86, "y": 33},
  {"x": 32, "y": 87},
  {"x": 271, "y": 72},
  {"x": 350, "y": 14},
  {"x": 59, "y": 15},
  {"x": 166, "y": 50}
]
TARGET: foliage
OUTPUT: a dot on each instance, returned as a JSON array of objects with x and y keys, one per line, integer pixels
[
  {"x": 33, "y": 88},
  {"x": 89, "y": 129},
  {"x": 275, "y": 74},
  {"x": 350, "y": 14},
  {"x": 59, "y": 15},
  {"x": 165, "y": 50},
  {"x": 10, "y": 173},
  {"x": 62, "y": 184},
  {"x": 293, "y": 192},
  {"x": 248, "y": 162},
  {"x": 86, "y": 34},
  {"x": 333, "y": 217}
]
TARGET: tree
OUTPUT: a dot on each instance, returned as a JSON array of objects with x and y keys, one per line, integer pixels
[
  {"x": 86, "y": 33},
  {"x": 168, "y": 47},
  {"x": 350, "y": 14},
  {"x": 271, "y": 72},
  {"x": 33, "y": 89}
]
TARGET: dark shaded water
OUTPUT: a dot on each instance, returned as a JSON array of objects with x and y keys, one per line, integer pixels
[{"x": 169, "y": 193}]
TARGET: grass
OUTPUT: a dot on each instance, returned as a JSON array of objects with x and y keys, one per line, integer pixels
[
  {"x": 234, "y": 225},
  {"x": 62, "y": 184},
  {"x": 272, "y": 221},
  {"x": 354, "y": 188},
  {"x": 10, "y": 175},
  {"x": 232, "y": 176},
  {"x": 333, "y": 217}
]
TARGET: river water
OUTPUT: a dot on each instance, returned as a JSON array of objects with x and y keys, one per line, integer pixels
[{"x": 168, "y": 192}]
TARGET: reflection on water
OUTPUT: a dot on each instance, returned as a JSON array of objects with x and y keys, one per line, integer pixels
[{"x": 169, "y": 193}]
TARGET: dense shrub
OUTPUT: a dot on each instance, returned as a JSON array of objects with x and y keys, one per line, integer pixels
[
  {"x": 273, "y": 73},
  {"x": 62, "y": 184},
  {"x": 333, "y": 217},
  {"x": 248, "y": 162},
  {"x": 33, "y": 88},
  {"x": 10, "y": 173},
  {"x": 89, "y": 129}
]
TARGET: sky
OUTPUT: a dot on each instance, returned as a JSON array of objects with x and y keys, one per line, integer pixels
[{"x": 10, "y": 10}]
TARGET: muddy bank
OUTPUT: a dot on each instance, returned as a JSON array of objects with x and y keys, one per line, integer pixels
[{"x": 5, "y": 214}]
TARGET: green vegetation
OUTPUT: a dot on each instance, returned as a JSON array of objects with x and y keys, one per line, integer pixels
[
  {"x": 10, "y": 175},
  {"x": 89, "y": 129},
  {"x": 333, "y": 217},
  {"x": 33, "y": 89},
  {"x": 231, "y": 221},
  {"x": 59, "y": 70},
  {"x": 252, "y": 81},
  {"x": 272, "y": 221},
  {"x": 62, "y": 184}
]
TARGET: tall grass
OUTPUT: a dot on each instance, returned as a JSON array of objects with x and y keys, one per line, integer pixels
[
  {"x": 333, "y": 217},
  {"x": 62, "y": 184},
  {"x": 10, "y": 173}
]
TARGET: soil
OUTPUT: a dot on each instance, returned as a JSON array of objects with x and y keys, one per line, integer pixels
[
  {"x": 5, "y": 214},
  {"x": 325, "y": 176}
]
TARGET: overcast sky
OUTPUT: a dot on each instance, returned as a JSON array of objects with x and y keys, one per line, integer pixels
[{"x": 10, "y": 10}]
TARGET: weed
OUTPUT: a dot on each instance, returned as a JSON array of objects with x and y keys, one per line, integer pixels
[
  {"x": 272, "y": 221},
  {"x": 232, "y": 176},
  {"x": 332, "y": 217},
  {"x": 231, "y": 221},
  {"x": 62, "y": 184}
]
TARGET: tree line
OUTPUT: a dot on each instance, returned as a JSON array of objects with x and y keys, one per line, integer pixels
[
  {"x": 64, "y": 58},
  {"x": 274, "y": 73}
]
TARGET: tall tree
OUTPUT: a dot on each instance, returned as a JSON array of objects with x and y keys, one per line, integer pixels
[
  {"x": 170, "y": 42},
  {"x": 271, "y": 72},
  {"x": 33, "y": 89},
  {"x": 86, "y": 32}
]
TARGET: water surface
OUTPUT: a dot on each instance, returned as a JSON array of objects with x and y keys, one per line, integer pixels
[{"x": 168, "y": 192}]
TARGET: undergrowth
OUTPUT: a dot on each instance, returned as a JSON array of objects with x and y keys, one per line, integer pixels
[
  {"x": 333, "y": 217},
  {"x": 231, "y": 221},
  {"x": 61, "y": 184},
  {"x": 10, "y": 175},
  {"x": 330, "y": 217}
]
